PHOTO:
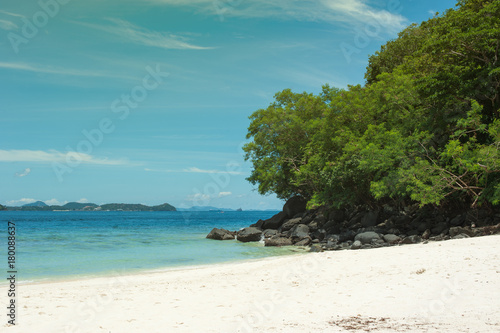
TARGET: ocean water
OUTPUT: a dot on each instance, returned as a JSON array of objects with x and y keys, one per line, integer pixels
[{"x": 59, "y": 245}]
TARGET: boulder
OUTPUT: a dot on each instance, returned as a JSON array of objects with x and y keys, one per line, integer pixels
[
  {"x": 458, "y": 220},
  {"x": 332, "y": 227},
  {"x": 299, "y": 232},
  {"x": 220, "y": 234},
  {"x": 274, "y": 222},
  {"x": 369, "y": 219},
  {"x": 411, "y": 240},
  {"x": 367, "y": 237},
  {"x": 268, "y": 233},
  {"x": 249, "y": 234},
  {"x": 306, "y": 241},
  {"x": 258, "y": 224},
  {"x": 277, "y": 241},
  {"x": 455, "y": 231},
  {"x": 460, "y": 236},
  {"x": 347, "y": 236},
  {"x": 439, "y": 228},
  {"x": 289, "y": 224},
  {"x": 356, "y": 245},
  {"x": 294, "y": 206},
  {"x": 316, "y": 248},
  {"x": 392, "y": 239},
  {"x": 426, "y": 234}
]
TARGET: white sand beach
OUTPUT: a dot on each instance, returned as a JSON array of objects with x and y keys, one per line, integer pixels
[{"x": 451, "y": 286}]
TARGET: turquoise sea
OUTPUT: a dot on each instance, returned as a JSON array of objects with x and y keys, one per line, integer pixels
[{"x": 55, "y": 245}]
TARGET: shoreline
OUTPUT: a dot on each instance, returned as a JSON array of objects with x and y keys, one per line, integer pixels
[
  {"x": 294, "y": 251},
  {"x": 450, "y": 286}
]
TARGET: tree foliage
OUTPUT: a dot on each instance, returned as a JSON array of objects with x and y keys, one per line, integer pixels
[{"x": 424, "y": 128}]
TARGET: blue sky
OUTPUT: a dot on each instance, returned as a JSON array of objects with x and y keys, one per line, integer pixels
[{"x": 148, "y": 101}]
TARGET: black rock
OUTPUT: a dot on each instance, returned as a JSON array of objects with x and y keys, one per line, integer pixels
[
  {"x": 258, "y": 224},
  {"x": 426, "y": 234},
  {"x": 294, "y": 206},
  {"x": 332, "y": 227},
  {"x": 347, "y": 236},
  {"x": 278, "y": 241},
  {"x": 289, "y": 224},
  {"x": 411, "y": 240},
  {"x": 460, "y": 236},
  {"x": 268, "y": 233},
  {"x": 220, "y": 234},
  {"x": 369, "y": 219},
  {"x": 458, "y": 220},
  {"x": 299, "y": 232},
  {"x": 367, "y": 237},
  {"x": 439, "y": 228},
  {"x": 455, "y": 231},
  {"x": 356, "y": 245},
  {"x": 391, "y": 238},
  {"x": 249, "y": 234},
  {"x": 304, "y": 242},
  {"x": 316, "y": 248},
  {"x": 274, "y": 222}
]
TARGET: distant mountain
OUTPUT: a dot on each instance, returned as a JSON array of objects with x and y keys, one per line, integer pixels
[
  {"x": 36, "y": 204},
  {"x": 76, "y": 206}
]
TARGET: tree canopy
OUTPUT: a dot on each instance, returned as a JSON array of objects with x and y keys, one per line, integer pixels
[{"x": 424, "y": 128}]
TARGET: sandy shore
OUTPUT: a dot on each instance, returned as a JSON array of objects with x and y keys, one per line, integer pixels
[{"x": 451, "y": 286}]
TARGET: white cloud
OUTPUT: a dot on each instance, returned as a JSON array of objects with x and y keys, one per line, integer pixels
[
  {"x": 196, "y": 170},
  {"x": 224, "y": 194},
  {"x": 7, "y": 25},
  {"x": 20, "y": 202},
  {"x": 59, "y": 71},
  {"x": 55, "y": 202},
  {"x": 199, "y": 198},
  {"x": 11, "y": 14},
  {"x": 333, "y": 11},
  {"x": 138, "y": 35},
  {"x": 83, "y": 200},
  {"x": 24, "y": 173},
  {"x": 54, "y": 156}
]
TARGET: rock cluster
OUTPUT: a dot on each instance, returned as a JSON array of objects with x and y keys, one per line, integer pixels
[{"x": 362, "y": 228}]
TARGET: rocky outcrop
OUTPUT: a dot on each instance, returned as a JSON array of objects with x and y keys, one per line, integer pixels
[
  {"x": 363, "y": 228},
  {"x": 274, "y": 222},
  {"x": 249, "y": 234},
  {"x": 295, "y": 205},
  {"x": 221, "y": 234},
  {"x": 278, "y": 241}
]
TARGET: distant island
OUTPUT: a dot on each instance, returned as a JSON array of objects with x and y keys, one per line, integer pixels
[{"x": 76, "y": 206}]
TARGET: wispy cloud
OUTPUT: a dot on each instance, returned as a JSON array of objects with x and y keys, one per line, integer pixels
[
  {"x": 24, "y": 173},
  {"x": 7, "y": 25},
  {"x": 196, "y": 170},
  {"x": 55, "y": 202},
  {"x": 334, "y": 11},
  {"x": 58, "y": 70},
  {"x": 50, "y": 156},
  {"x": 11, "y": 14},
  {"x": 224, "y": 194},
  {"x": 20, "y": 202},
  {"x": 127, "y": 31}
]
